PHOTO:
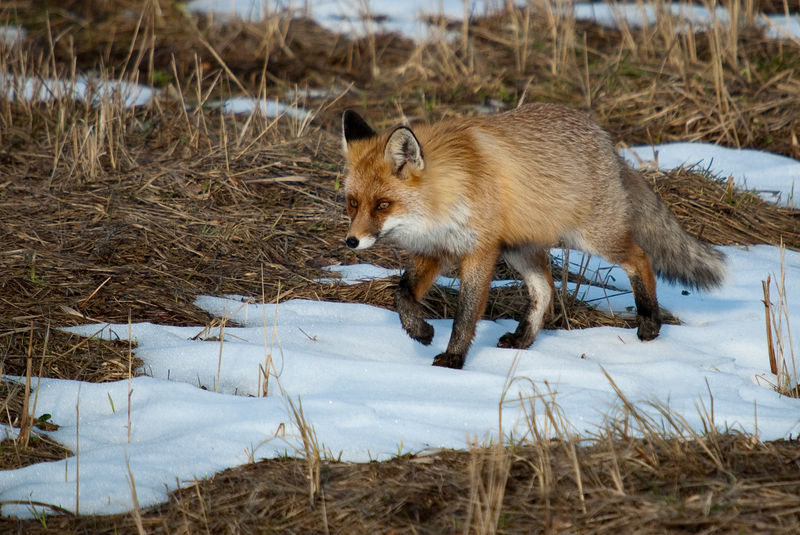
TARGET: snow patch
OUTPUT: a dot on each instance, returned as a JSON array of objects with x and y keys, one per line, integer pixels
[
  {"x": 84, "y": 89},
  {"x": 269, "y": 108},
  {"x": 774, "y": 177},
  {"x": 361, "y": 18},
  {"x": 358, "y": 273},
  {"x": 12, "y": 35},
  {"x": 351, "y": 17},
  {"x": 691, "y": 17}
]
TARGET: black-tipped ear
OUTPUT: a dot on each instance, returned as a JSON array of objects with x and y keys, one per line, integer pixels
[
  {"x": 403, "y": 151},
  {"x": 354, "y": 127}
]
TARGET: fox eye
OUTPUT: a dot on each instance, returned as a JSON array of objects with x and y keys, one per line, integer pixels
[
  {"x": 353, "y": 203},
  {"x": 382, "y": 205}
]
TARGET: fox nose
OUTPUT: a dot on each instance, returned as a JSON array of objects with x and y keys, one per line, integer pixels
[{"x": 351, "y": 241}]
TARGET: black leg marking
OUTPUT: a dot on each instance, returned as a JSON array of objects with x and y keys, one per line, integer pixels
[
  {"x": 449, "y": 360},
  {"x": 523, "y": 336},
  {"x": 411, "y": 312},
  {"x": 637, "y": 266},
  {"x": 476, "y": 275},
  {"x": 647, "y": 313}
]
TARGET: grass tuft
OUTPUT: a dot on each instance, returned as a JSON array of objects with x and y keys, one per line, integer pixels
[{"x": 780, "y": 348}]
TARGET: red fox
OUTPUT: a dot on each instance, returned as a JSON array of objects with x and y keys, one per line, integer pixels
[{"x": 463, "y": 192}]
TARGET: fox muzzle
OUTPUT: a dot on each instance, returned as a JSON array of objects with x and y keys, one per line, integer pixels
[{"x": 358, "y": 244}]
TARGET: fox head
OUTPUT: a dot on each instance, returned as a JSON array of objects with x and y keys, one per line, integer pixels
[{"x": 382, "y": 171}]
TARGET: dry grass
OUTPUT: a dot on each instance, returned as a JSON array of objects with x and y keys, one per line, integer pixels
[
  {"x": 39, "y": 448},
  {"x": 670, "y": 485},
  {"x": 110, "y": 212},
  {"x": 780, "y": 345}
]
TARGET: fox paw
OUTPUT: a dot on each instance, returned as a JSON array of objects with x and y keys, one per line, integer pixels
[
  {"x": 421, "y": 331},
  {"x": 514, "y": 341},
  {"x": 449, "y": 360},
  {"x": 648, "y": 328}
]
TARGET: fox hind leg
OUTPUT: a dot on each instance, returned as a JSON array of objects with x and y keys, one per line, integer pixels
[
  {"x": 532, "y": 266},
  {"x": 636, "y": 264}
]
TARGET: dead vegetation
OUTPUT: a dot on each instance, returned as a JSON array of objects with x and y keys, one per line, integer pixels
[
  {"x": 728, "y": 483},
  {"x": 35, "y": 448},
  {"x": 110, "y": 212}
]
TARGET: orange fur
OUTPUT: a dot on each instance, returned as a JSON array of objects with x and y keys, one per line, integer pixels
[{"x": 465, "y": 191}]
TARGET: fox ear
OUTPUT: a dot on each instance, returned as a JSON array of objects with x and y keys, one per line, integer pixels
[
  {"x": 354, "y": 128},
  {"x": 403, "y": 151}
]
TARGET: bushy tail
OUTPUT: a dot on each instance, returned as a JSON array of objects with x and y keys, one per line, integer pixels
[{"x": 675, "y": 255}]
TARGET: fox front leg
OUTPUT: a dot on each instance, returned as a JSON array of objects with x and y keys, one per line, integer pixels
[
  {"x": 414, "y": 283},
  {"x": 476, "y": 277}
]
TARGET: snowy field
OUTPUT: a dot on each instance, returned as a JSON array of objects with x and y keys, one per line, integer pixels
[{"x": 370, "y": 392}]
